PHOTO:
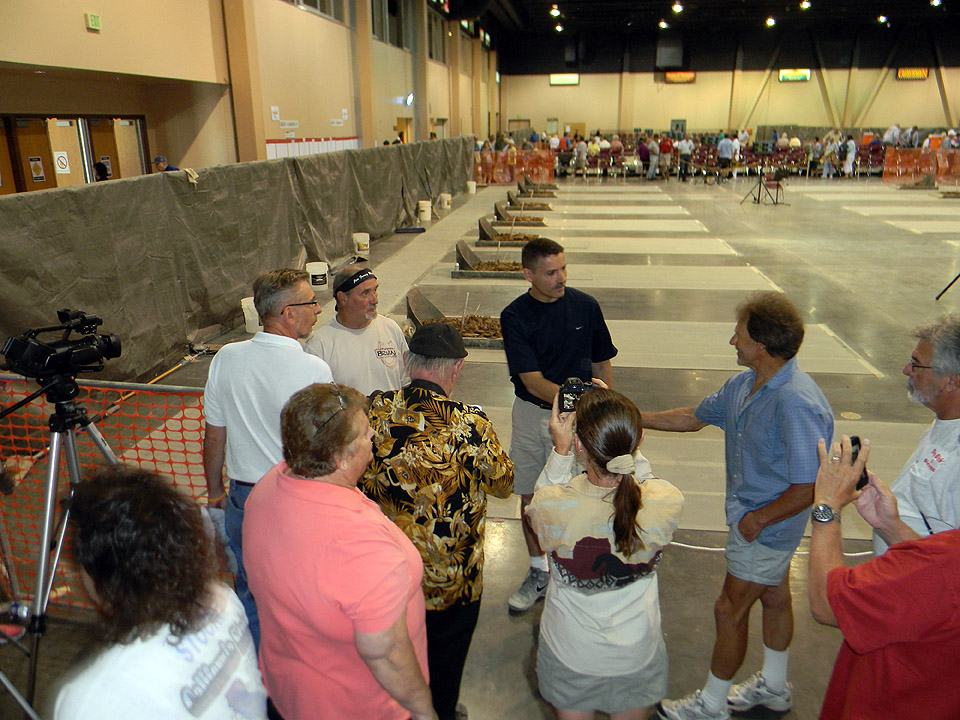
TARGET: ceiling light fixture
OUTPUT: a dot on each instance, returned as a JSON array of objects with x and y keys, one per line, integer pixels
[
  {"x": 677, "y": 7},
  {"x": 881, "y": 18},
  {"x": 555, "y": 11},
  {"x": 805, "y": 5},
  {"x": 559, "y": 27},
  {"x": 771, "y": 21},
  {"x": 663, "y": 25},
  {"x": 936, "y": 3}
]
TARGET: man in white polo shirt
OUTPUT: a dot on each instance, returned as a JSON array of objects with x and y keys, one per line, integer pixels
[{"x": 247, "y": 386}]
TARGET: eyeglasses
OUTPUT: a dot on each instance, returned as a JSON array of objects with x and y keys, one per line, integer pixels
[
  {"x": 343, "y": 406},
  {"x": 314, "y": 303},
  {"x": 914, "y": 365}
]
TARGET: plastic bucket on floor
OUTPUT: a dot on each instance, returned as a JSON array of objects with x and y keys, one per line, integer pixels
[
  {"x": 361, "y": 243},
  {"x": 251, "y": 321},
  {"x": 423, "y": 210},
  {"x": 318, "y": 274},
  {"x": 445, "y": 200},
  {"x": 471, "y": 187}
]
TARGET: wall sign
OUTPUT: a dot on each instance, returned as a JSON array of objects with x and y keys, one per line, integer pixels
[
  {"x": 909, "y": 73},
  {"x": 36, "y": 169},
  {"x": 795, "y": 75}
]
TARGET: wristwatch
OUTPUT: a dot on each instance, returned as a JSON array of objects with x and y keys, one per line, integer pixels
[{"x": 823, "y": 513}]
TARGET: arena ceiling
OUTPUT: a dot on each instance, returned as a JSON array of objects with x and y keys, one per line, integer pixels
[{"x": 619, "y": 17}]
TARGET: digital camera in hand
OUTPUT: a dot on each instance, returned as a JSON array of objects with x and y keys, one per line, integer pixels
[{"x": 570, "y": 392}]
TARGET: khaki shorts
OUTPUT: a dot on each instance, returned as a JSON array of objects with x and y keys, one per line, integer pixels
[
  {"x": 530, "y": 444},
  {"x": 754, "y": 562}
]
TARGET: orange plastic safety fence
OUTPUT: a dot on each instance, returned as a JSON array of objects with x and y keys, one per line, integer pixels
[
  {"x": 155, "y": 429},
  {"x": 492, "y": 168}
]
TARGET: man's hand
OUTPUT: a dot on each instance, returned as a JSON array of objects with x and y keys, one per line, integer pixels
[
  {"x": 749, "y": 527},
  {"x": 876, "y": 503},
  {"x": 836, "y": 483}
]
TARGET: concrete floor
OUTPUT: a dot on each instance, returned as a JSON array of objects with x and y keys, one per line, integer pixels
[{"x": 861, "y": 260}]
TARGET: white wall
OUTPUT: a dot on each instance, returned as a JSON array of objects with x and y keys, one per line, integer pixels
[
  {"x": 392, "y": 80},
  {"x": 305, "y": 70}
]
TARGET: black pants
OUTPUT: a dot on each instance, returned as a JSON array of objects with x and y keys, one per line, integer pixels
[
  {"x": 684, "y": 166},
  {"x": 448, "y": 639}
]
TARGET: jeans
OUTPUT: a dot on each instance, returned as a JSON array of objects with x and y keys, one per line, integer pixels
[
  {"x": 234, "y": 526},
  {"x": 654, "y": 161}
]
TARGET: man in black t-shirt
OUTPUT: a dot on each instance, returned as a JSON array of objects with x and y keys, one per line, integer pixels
[{"x": 550, "y": 333}]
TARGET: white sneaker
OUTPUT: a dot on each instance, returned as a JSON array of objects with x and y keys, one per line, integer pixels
[
  {"x": 754, "y": 691},
  {"x": 534, "y": 588},
  {"x": 691, "y": 707}
]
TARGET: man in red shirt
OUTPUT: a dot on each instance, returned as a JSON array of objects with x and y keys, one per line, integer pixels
[
  {"x": 666, "y": 155},
  {"x": 899, "y": 612}
]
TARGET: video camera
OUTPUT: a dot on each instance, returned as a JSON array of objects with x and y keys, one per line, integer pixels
[{"x": 32, "y": 357}]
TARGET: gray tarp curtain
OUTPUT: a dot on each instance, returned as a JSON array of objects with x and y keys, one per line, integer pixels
[{"x": 158, "y": 257}]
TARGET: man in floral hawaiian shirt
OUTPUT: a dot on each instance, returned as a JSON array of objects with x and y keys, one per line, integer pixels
[{"x": 435, "y": 459}]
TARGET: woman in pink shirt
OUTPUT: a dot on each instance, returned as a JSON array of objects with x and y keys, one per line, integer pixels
[{"x": 337, "y": 584}]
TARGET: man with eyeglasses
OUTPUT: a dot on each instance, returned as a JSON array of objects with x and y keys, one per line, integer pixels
[
  {"x": 363, "y": 348},
  {"x": 928, "y": 487},
  {"x": 247, "y": 386}
]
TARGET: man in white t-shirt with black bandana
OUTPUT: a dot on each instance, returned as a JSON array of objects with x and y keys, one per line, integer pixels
[{"x": 363, "y": 348}]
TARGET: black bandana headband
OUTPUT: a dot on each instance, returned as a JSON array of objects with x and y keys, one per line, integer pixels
[{"x": 351, "y": 282}]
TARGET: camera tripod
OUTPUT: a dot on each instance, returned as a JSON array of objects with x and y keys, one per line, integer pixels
[{"x": 67, "y": 419}]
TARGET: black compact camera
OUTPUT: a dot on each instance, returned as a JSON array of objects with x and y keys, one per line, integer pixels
[
  {"x": 33, "y": 357},
  {"x": 855, "y": 446},
  {"x": 570, "y": 392}
]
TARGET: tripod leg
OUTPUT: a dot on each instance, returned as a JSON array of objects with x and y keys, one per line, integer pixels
[
  {"x": 942, "y": 292},
  {"x": 97, "y": 437},
  {"x": 38, "y": 609}
]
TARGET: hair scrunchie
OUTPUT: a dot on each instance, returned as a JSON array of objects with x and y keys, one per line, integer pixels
[{"x": 622, "y": 465}]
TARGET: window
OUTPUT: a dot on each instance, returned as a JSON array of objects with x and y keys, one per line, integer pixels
[
  {"x": 330, "y": 8},
  {"x": 466, "y": 54},
  {"x": 391, "y": 22},
  {"x": 436, "y": 37}
]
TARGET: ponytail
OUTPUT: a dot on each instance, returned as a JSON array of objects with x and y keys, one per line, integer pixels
[
  {"x": 627, "y": 502},
  {"x": 610, "y": 428}
]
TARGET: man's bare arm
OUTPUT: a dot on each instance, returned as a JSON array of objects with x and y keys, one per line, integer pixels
[
  {"x": 214, "y": 453},
  {"x": 603, "y": 371},
  {"x": 794, "y": 500},
  {"x": 676, "y": 420},
  {"x": 538, "y": 385}
]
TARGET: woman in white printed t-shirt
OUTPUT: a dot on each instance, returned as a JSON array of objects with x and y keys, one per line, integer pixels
[{"x": 601, "y": 647}]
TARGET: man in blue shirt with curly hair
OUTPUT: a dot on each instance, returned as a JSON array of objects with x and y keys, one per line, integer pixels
[{"x": 772, "y": 415}]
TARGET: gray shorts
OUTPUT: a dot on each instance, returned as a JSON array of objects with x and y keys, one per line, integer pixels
[
  {"x": 566, "y": 689},
  {"x": 754, "y": 562},
  {"x": 530, "y": 444}
]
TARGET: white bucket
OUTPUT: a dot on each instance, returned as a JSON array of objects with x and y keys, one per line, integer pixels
[
  {"x": 424, "y": 210},
  {"x": 361, "y": 243},
  {"x": 251, "y": 321},
  {"x": 318, "y": 274},
  {"x": 471, "y": 187},
  {"x": 445, "y": 200}
]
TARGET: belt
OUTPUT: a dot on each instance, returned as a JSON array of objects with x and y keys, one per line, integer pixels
[
  {"x": 540, "y": 404},
  {"x": 241, "y": 483}
]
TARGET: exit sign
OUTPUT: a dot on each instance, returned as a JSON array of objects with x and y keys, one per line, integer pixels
[{"x": 93, "y": 22}]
